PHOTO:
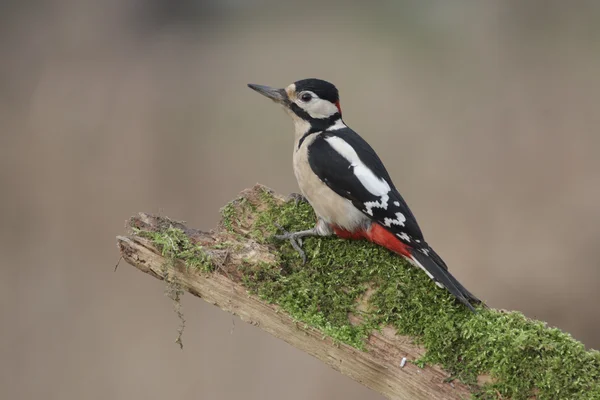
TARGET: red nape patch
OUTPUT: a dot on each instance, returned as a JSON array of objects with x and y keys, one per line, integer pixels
[
  {"x": 379, "y": 235},
  {"x": 337, "y": 104}
]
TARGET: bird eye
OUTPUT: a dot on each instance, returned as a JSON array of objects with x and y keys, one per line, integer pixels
[{"x": 306, "y": 97}]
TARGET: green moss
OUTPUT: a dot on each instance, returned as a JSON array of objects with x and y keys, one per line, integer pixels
[
  {"x": 229, "y": 215},
  {"x": 523, "y": 357},
  {"x": 175, "y": 244},
  {"x": 233, "y": 213}
]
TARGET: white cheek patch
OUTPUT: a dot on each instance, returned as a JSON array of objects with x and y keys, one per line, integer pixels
[{"x": 318, "y": 108}]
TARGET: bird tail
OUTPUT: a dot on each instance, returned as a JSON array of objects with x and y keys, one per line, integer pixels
[{"x": 433, "y": 265}]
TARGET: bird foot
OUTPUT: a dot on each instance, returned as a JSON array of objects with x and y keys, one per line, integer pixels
[
  {"x": 295, "y": 240},
  {"x": 297, "y": 198}
]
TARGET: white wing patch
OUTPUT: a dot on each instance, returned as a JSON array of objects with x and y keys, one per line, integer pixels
[
  {"x": 370, "y": 181},
  {"x": 397, "y": 203},
  {"x": 383, "y": 203},
  {"x": 403, "y": 236},
  {"x": 374, "y": 185},
  {"x": 399, "y": 220}
]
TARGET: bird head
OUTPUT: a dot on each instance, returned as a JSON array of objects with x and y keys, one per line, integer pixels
[{"x": 314, "y": 104}]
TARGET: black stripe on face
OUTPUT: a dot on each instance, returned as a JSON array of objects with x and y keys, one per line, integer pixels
[{"x": 316, "y": 124}]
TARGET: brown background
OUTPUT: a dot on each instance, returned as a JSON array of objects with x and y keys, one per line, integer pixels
[{"x": 486, "y": 114}]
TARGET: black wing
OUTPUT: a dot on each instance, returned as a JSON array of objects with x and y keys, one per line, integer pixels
[
  {"x": 337, "y": 173},
  {"x": 390, "y": 211}
]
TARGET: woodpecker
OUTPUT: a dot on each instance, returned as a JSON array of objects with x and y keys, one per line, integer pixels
[{"x": 348, "y": 186}]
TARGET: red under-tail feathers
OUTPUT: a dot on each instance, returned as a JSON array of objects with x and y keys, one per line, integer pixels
[
  {"x": 378, "y": 235},
  {"x": 429, "y": 261}
]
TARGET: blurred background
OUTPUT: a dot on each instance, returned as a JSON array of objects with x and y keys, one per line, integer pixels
[{"x": 485, "y": 113}]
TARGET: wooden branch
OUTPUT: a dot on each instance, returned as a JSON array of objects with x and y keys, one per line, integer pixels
[
  {"x": 377, "y": 368},
  {"x": 225, "y": 255}
]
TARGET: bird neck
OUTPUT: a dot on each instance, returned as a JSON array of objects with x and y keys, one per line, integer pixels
[{"x": 305, "y": 127}]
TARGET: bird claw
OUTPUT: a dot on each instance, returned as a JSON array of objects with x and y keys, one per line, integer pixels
[
  {"x": 297, "y": 198},
  {"x": 295, "y": 241}
]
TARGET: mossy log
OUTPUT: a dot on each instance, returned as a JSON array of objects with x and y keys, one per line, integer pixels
[{"x": 358, "y": 308}]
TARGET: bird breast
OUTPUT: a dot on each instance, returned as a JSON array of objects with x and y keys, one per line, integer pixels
[{"x": 328, "y": 205}]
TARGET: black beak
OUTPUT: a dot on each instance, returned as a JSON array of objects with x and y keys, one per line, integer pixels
[{"x": 277, "y": 95}]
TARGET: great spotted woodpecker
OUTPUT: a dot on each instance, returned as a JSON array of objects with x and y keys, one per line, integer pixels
[{"x": 348, "y": 186}]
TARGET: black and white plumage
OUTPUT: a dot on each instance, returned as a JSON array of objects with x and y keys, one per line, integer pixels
[
  {"x": 348, "y": 186},
  {"x": 351, "y": 168}
]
